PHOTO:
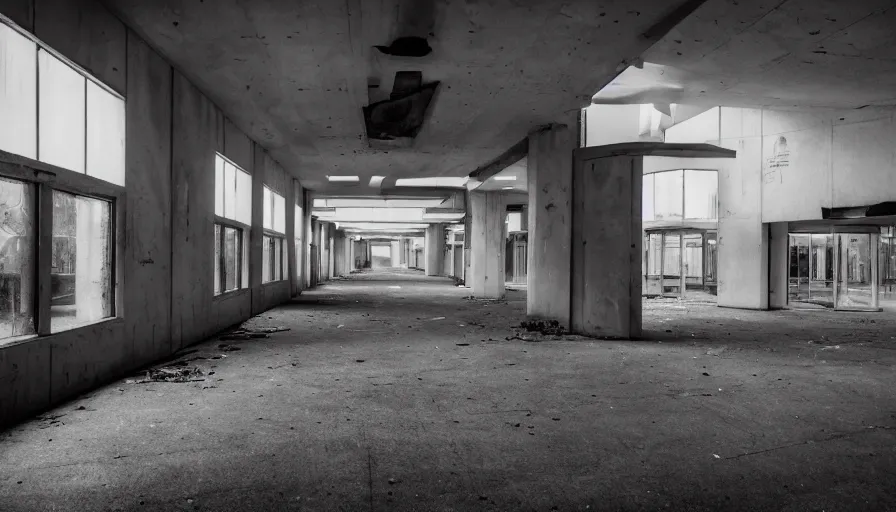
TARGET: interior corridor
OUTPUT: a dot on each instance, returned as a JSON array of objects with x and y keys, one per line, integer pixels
[{"x": 394, "y": 391}]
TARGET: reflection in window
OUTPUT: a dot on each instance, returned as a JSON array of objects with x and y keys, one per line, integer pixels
[
  {"x": 668, "y": 195},
  {"x": 272, "y": 259},
  {"x": 17, "y": 261},
  {"x": 228, "y": 259},
  {"x": 81, "y": 273}
]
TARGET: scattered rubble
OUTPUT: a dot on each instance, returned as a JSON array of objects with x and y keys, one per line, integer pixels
[{"x": 548, "y": 328}]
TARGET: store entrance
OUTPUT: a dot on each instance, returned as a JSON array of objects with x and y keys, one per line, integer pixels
[
  {"x": 836, "y": 270},
  {"x": 681, "y": 263}
]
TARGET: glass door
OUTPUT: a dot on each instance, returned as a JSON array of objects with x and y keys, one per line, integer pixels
[
  {"x": 798, "y": 275},
  {"x": 857, "y": 271},
  {"x": 672, "y": 276}
]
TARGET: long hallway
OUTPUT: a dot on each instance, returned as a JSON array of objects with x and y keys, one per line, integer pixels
[{"x": 392, "y": 391}]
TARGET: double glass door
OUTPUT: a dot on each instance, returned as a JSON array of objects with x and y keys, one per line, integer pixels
[
  {"x": 679, "y": 263},
  {"x": 835, "y": 270}
]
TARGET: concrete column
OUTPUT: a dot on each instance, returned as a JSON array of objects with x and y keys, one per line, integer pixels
[
  {"x": 395, "y": 252},
  {"x": 468, "y": 229},
  {"x": 606, "y": 246},
  {"x": 433, "y": 247},
  {"x": 778, "y": 264},
  {"x": 350, "y": 263},
  {"x": 549, "y": 223},
  {"x": 332, "y": 240},
  {"x": 488, "y": 212},
  {"x": 339, "y": 242}
]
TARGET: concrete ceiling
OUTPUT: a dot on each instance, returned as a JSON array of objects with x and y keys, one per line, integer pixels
[
  {"x": 791, "y": 54},
  {"x": 514, "y": 178},
  {"x": 294, "y": 75}
]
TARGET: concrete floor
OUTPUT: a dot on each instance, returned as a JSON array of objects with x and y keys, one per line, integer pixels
[{"x": 394, "y": 392}]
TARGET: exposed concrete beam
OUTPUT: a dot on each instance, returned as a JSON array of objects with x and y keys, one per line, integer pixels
[{"x": 503, "y": 161}]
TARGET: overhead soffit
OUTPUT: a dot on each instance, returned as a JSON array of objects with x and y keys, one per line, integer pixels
[
  {"x": 796, "y": 54},
  {"x": 294, "y": 75}
]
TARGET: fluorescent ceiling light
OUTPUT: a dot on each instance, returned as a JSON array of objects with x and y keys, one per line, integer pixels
[
  {"x": 505, "y": 178},
  {"x": 507, "y": 188},
  {"x": 343, "y": 178},
  {"x": 432, "y": 182},
  {"x": 376, "y": 181}
]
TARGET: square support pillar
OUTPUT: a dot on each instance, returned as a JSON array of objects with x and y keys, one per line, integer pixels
[
  {"x": 488, "y": 211},
  {"x": 778, "y": 265},
  {"x": 606, "y": 241},
  {"x": 607, "y": 233},
  {"x": 433, "y": 247},
  {"x": 550, "y": 223}
]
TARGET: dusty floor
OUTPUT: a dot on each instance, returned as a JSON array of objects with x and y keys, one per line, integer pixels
[{"x": 392, "y": 392}]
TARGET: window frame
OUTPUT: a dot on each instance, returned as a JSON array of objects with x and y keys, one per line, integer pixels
[
  {"x": 273, "y": 236},
  {"x": 88, "y": 78},
  {"x": 245, "y": 231},
  {"x": 45, "y": 178}
]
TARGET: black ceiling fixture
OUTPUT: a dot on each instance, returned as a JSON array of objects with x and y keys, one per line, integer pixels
[
  {"x": 412, "y": 46},
  {"x": 415, "y": 22},
  {"x": 395, "y": 122}
]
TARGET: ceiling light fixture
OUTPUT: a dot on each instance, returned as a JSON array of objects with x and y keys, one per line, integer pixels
[
  {"x": 506, "y": 188},
  {"x": 343, "y": 178},
  {"x": 505, "y": 178}
]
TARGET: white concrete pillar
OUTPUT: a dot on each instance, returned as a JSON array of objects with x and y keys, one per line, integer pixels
[
  {"x": 395, "y": 252},
  {"x": 487, "y": 211},
  {"x": 549, "y": 223},
  {"x": 433, "y": 247}
]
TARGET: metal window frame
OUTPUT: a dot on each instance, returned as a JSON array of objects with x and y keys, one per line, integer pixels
[
  {"x": 242, "y": 230},
  {"x": 273, "y": 237},
  {"x": 47, "y": 178}
]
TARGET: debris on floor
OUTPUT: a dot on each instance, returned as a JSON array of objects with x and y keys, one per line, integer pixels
[
  {"x": 174, "y": 373},
  {"x": 549, "y": 328},
  {"x": 228, "y": 348}
]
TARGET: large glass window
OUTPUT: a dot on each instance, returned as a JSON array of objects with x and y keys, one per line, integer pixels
[
  {"x": 80, "y": 125},
  {"x": 701, "y": 195},
  {"x": 272, "y": 259},
  {"x": 233, "y": 216},
  {"x": 676, "y": 196},
  {"x": 81, "y": 269},
  {"x": 274, "y": 223},
  {"x": 17, "y": 258},
  {"x": 18, "y": 93},
  {"x": 668, "y": 195}
]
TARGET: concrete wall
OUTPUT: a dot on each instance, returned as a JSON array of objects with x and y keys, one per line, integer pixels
[{"x": 173, "y": 132}]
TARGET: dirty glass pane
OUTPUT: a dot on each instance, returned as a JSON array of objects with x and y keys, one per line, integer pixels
[
  {"x": 668, "y": 189},
  {"x": 81, "y": 273},
  {"x": 231, "y": 259},
  {"x": 17, "y": 259},
  {"x": 218, "y": 228},
  {"x": 266, "y": 260},
  {"x": 18, "y": 93},
  {"x": 105, "y": 135},
  {"x": 229, "y": 191},
  {"x": 62, "y": 122},
  {"x": 219, "y": 186},
  {"x": 701, "y": 195},
  {"x": 279, "y": 213},
  {"x": 243, "y": 198},
  {"x": 268, "y": 209}
]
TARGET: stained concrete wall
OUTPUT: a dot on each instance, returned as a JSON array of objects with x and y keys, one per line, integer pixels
[{"x": 173, "y": 131}]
